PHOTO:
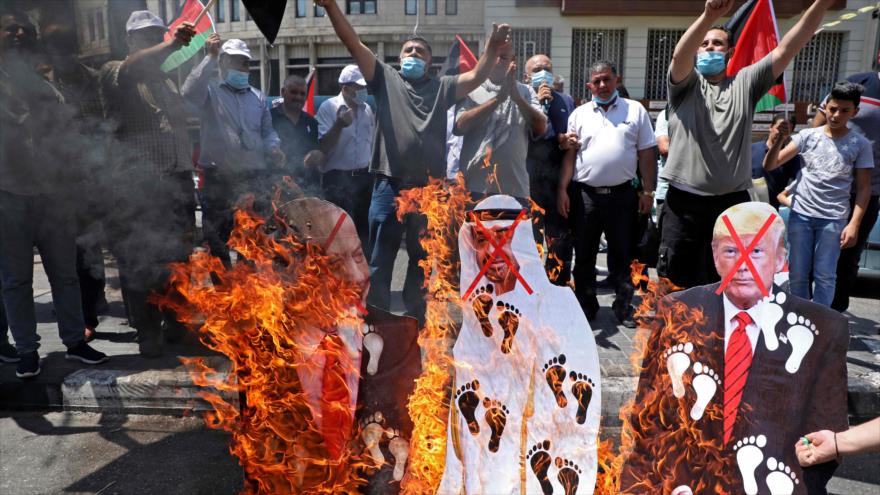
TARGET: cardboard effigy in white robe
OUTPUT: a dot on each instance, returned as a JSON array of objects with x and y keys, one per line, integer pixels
[{"x": 527, "y": 390}]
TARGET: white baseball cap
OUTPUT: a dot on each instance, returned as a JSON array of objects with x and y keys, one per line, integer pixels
[
  {"x": 352, "y": 75},
  {"x": 140, "y": 19},
  {"x": 236, "y": 47}
]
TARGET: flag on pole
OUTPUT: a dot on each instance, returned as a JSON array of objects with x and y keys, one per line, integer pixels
[
  {"x": 188, "y": 13},
  {"x": 309, "y": 107},
  {"x": 460, "y": 59},
  {"x": 755, "y": 34}
]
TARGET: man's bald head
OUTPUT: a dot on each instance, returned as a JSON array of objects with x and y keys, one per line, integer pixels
[{"x": 538, "y": 63}]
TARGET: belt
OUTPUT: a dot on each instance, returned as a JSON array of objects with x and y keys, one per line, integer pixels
[
  {"x": 350, "y": 173},
  {"x": 606, "y": 189}
]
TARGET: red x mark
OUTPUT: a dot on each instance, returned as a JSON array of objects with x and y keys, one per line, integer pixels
[
  {"x": 745, "y": 255},
  {"x": 497, "y": 252},
  {"x": 330, "y": 238}
]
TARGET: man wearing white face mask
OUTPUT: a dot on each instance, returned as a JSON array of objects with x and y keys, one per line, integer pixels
[
  {"x": 708, "y": 166},
  {"x": 409, "y": 146},
  {"x": 237, "y": 136},
  {"x": 346, "y": 125}
]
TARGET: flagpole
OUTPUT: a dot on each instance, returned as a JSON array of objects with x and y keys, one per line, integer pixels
[{"x": 204, "y": 11}]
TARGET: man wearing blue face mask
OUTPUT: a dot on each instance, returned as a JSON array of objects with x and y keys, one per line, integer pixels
[
  {"x": 237, "y": 137},
  {"x": 346, "y": 125},
  {"x": 710, "y": 116},
  {"x": 409, "y": 145}
]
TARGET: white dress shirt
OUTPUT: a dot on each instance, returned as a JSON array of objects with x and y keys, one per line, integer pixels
[
  {"x": 730, "y": 322},
  {"x": 354, "y": 148}
]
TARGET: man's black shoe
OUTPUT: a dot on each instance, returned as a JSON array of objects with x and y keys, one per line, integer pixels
[
  {"x": 624, "y": 314},
  {"x": 84, "y": 352},
  {"x": 8, "y": 354},
  {"x": 29, "y": 366}
]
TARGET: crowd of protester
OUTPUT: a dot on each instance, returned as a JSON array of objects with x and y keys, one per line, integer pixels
[{"x": 588, "y": 171}]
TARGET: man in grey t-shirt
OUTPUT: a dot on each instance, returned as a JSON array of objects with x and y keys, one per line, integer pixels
[
  {"x": 409, "y": 146},
  {"x": 495, "y": 120},
  {"x": 709, "y": 163}
]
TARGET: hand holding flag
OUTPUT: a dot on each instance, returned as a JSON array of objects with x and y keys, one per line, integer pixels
[{"x": 190, "y": 31}]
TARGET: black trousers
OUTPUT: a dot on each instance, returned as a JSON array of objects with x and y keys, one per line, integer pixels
[
  {"x": 613, "y": 211},
  {"x": 352, "y": 191},
  {"x": 686, "y": 223},
  {"x": 550, "y": 227},
  {"x": 848, "y": 262},
  {"x": 222, "y": 191}
]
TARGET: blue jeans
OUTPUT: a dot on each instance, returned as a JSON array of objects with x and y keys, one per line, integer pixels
[
  {"x": 41, "y": 221},
  {"x": 386, "y": 234},
  {"x": 815, "y": 247}
]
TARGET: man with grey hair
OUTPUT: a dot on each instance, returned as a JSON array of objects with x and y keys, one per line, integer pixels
[
  {"x": 236, "y": 136},
  {"x": 596, "y": 186}
]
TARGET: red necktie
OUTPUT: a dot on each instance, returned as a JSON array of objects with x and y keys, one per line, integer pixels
[
  {"x": 336, "y": 417},
  {"x": 737, "y": 361}
]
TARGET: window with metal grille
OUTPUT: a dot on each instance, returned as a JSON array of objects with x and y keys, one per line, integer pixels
[
  {"x": 530, "y": 42},
  {"x": 361, "y": 6},
  {"x": 661, "y": 44},
  {"x": 589, "y": 46},
  {"x": 815, "y": 67},
  {"x": 451, "y": 7}
]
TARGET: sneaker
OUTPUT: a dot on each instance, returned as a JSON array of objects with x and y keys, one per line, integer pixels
[
  {"x": 85, "y": 353},
  {"x": 8, "y": 354},
  {"x": 29, "y": 366}
]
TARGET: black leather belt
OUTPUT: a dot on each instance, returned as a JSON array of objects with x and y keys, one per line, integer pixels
[
  {"x": 350, "y": 173},
  {"x": 607, "y": 189}
]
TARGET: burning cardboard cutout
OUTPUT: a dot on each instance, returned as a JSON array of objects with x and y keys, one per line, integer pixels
[
  {"x": 721, "y": 403},
  {"x": 527, "y": 376}
]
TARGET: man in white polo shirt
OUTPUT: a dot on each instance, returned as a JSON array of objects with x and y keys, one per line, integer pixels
[
  {"x": 345, "y": 128},
  {"x": 596, "y": 191}
]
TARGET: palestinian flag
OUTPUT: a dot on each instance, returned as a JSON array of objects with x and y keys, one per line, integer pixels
[
  {"x": 460, "y": 59},
  {"x": 309, "y": 107},
  {"x": 755, "y": 34},
  {"x": 188, "y": 13}
]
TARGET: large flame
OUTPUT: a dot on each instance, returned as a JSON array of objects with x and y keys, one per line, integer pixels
[
  {"x": 444, "y": 206},
  {"x": 251, "y": 313},
  {"x": 670, "y": 450}
]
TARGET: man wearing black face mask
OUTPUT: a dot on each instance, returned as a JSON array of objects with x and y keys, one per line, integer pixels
[
  {"x": 152, "y": 212},
  {"x": 409, "y": 145},
  {"x": 709, "y": 162}
]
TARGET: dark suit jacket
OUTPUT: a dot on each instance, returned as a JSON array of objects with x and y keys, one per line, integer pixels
[{"x": 670, "y": 449}]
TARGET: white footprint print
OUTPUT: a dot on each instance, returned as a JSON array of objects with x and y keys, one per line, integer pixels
[
  {"x": 372, "y": 430},
  {"x": 399, "y": 448},
  {"x": 771, "y": 314},
  {"x": 800, "y": 335},
  {"x": 373, "y": 343},
  {"x": 781, "y": 479},
  {"x": 748, "y": 457},
  {"x": 705, "y": 384},
  {"x": 677, "y": 362}
]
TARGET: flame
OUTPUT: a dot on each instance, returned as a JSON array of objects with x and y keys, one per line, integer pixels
[
  {"x": 537, "y": 216},
  {"x": 444, "y": 206},
  {"x": 250, "y": 313},
  {"x": 669, "y": 449}
]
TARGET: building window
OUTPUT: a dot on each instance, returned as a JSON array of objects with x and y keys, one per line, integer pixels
[
  {"x": 319, "y": 11},
  {"x": 815, "y": 67},
  {"x": 361, "y": 6},
  {"x": 91, "y": 28},
  {"x": 99, "y": 21},
  {"x": 451, "y": 7},
  {"x": 235, "y": 12},
  {"x": 589, "y": 46},
  {"x": 300, "y": 8},
  {"x": 430, "y": 7},
  {"x": 661, "y": 44},
  {"x": 163, "y": 11},
  {"x": 220, "y": 12},
  {"x": 530, "y": 42},
  {"x": 412, "y": 7}
]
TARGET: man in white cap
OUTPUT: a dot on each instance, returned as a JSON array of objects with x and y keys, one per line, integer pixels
[
  {"x": 152, "y": 211},
  {"x": 346, "y": 125},
  {"x": 237, "y": 137}
]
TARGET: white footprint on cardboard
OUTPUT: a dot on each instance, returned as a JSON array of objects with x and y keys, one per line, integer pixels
[
  {"x": 677, "y": 362},
  {"x": 748, "y": 457},
  {"x": 373, "y": 343},
  {"x": 800, "y": 336},
  {"x": 399, "y": 448},
  {"x": 781, "y": 480},
  {"x": 769, "y": 316},
  {"x": 705, "y": 383}
]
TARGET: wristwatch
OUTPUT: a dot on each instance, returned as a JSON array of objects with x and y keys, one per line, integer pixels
[{"x": 649, "y": 194}]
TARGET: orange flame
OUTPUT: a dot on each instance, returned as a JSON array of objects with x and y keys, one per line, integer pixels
[
  {"x": 251, "y": 314},
  {"x": 647, "y": 424},
  {"x": 444, "y": 206}
]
